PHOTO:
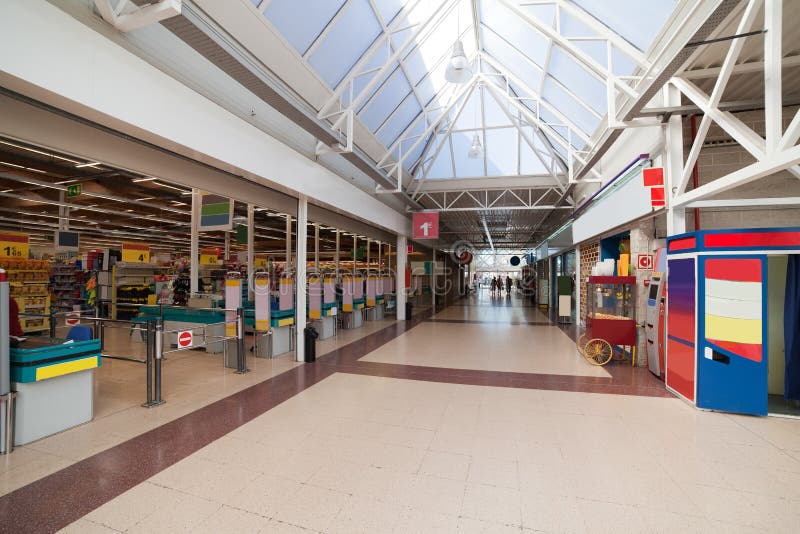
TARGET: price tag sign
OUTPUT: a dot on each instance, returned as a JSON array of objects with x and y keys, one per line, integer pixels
[
  {"x": 259, "y": 262},
  {"x": 13, "y": 245},
  {"x": 135, "y": 253},
  {"x": 209, "y": 256}
]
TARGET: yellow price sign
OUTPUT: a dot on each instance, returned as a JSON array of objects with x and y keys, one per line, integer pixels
[
  {"x": 135, "y": 253},
  {"x": 13, "y": 245},
  {"x": 260, "y": 262},
  {"x": 208, "y": 259}
]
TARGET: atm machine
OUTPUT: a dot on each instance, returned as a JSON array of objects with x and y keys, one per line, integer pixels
[{"x": 654, "y": 323}]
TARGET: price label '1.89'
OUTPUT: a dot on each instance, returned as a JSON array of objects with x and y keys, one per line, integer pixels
[{"x": 13, "y": 245}]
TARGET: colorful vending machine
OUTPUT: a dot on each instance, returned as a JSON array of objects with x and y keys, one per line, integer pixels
[{"x": 717, "y": 316}]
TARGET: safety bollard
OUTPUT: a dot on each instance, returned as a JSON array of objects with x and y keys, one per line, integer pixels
[
  {"x": 241, "y": 355},
  {"x": 159, "y": 348},
  {"x": 150, "y": 337}
]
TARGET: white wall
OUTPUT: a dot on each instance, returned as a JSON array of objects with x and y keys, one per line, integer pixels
[{"x": 51, "y": 57}]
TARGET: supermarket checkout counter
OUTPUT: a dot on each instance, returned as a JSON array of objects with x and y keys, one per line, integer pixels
[{"x": 54, "y": 381}]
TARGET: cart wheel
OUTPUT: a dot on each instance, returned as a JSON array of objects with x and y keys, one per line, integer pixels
[
  {"x": 598, "y": 351},
  {"x": 581, "y": 343}
]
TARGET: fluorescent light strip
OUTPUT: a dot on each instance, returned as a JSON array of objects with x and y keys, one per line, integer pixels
[
  {"x": 87, "y": 165},
  {"x": 48, "y": 154},
  {"x": 138, "y": 180}
]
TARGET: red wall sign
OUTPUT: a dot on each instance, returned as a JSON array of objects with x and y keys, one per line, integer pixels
[
  {"x": 645, "y": 262},
  {"x": 185, "y": 339},
  {"x": 426, "y": 225}
]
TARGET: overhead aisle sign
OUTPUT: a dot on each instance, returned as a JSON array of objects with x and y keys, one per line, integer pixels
[
  {"x": 426, "y": 225},
  {"x": 216, "y": 212}
]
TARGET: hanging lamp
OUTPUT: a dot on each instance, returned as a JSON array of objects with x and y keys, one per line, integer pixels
[
  {"x": 476, "y": 149},
  {"x": 458, "y": 69}
]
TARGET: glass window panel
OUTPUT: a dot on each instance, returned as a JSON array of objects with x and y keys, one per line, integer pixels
[
  {"x": 553, "y": 121},
  {"x": 415, "y": 66},
  {"x": 529, "y": 163},
  {"x": 376, "y": 61},
  {"x": 442, "y": 165},
  {"x": 470, "y": 115},
  {"x": 466, "y": 167},
  {"x": 630, "y": 19},
  {"x": 571, "y": 74},
  {"x": 572, "y": 27},
  {"x": 502, "y": 20},
  {"x": 501, "y": 152},
  {"x": 511, "y": 59},
  {"x": 391, "y": 94},
  {"x": 400, "y": 120},
  {"x": 342, "y": 47},
  {"x": 493, "y": 114},
  {"x": 388, "y": 9},
  {"x": 409, "y": 141},
  {"x": 621, "y": 64},
  {"x": 301, "y": 31},
  {"x": 544, "y": 13},
  {"x": 594, "y": 49}
]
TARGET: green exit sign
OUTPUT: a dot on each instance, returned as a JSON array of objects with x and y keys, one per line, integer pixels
[{"x": 73, "y": 190}]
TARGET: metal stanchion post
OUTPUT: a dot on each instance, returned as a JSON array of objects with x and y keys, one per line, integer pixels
[
  {"x": 102, "y": 328},
  {"x": 241, "y": 355},
  {"x": 96, "y": 326},
  {"x": 52, "y": 322},
  {"x": 159, "y": 347},
  {"x": 150, "y": 336}
]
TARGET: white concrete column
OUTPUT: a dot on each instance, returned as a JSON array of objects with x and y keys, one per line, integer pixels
[
  {"x": 251, "y": 230},
  {"x": 227, "y": 255},
  {"x": 336, "y": 254},
  {"x": 368, "y": 254},
  {"x": 673, "y": 134},
  {"x": 400, "y": 277},
  {"x": 289, "y": 243},
  {"x": 316, "y": 248},
  {"x": 578, "y": 282},
  {"x": 300, "y": 278},
  {"x": 355, "y": 254},
  {"x": 433, "y": 281},
  {"x": 194, "y": 247}
]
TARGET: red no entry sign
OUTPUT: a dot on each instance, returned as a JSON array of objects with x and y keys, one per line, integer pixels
[
  {"x": 185, "y": 339},
  {"x": 73, "y": 318}
]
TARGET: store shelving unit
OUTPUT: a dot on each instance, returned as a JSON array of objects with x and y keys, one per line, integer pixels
[
  {"x": 67, "y": 284},
  {"x": 28, "y": 280},
  {"x": 131, "y": 285}
]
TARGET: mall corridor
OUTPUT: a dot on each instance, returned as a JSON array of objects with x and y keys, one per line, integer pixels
[{"x": 482, "y": 418}]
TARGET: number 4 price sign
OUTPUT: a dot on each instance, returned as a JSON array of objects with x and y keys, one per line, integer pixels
[{"x": 14, "y": 245}]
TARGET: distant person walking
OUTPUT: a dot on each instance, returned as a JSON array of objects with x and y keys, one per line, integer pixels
[
  {"x": 494, "y": 284},
  {"x": 508, "y": 284}
]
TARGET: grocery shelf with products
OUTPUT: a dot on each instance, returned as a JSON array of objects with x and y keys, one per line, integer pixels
[
  {"x": 132, "y": 286},
  {"x": 28, "y": 283},
  {"x": 68, "y": 286}
]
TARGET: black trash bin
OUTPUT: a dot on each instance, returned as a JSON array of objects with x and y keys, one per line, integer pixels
[
  {"x": 409, "y": 309},
  {"x": 310, "y": 334}
]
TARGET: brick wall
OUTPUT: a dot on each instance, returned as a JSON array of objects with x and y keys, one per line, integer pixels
[
  {"x": 727, "y": 157},
  {"x": 590, "y": 254}
]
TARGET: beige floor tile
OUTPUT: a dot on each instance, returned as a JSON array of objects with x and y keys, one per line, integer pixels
[
  {"x": 313, "y": 508},
  {"x": 493, "y": 472},
  {"x": 131, "y": 507},
  {"x": 265, "y": 495},
  {"x": 430, "y": 494},
  {"x": 181, "y": 513},
  {"x": 361, "y": 515},
  {"x": 493, "y": 504},
  {"x": 228, "y": 520},
  {"x": 416, "y": 521},
  {"x": 446, "y": 465},
  {"x": 84, "y": 526},
  {"x": 551, "y": 513},
  {"x": 475, "y": 526}
]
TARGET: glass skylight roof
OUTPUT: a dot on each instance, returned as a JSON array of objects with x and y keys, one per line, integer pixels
[{"x": 544, "y": 61}]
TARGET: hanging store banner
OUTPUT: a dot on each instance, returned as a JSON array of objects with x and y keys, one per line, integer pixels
[
  {"x": 329, "y": 290},
  {"x": 13, "y": 245},
  {"x": 372, "y": 290},
  {"x": 286, "y": 294},
  {"x": 262, "y": 304},
  {"x": 314, "y": 297},
  {"x": 135, "y": 253},
  {"x": 347, "y": 294},
  {"x": 216, "y": 212},
  {"x": 233, "y": 300}
]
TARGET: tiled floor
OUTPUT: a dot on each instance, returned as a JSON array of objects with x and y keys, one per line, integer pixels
[
  {"x": 191, "y": 380},
  {"x": 415, "y": 428},
  {"x": 371, "y": 454}
]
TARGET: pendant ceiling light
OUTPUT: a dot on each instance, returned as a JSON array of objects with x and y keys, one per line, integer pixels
[
  {"x": 476, "y": 150},
  {"x": 458, "y": 70}
]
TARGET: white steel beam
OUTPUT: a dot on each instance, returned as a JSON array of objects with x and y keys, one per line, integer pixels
[
  {"x": 589, "y": 64},
  {"x": 745, "y": 202},
  {"x": 491, "y": 183},
  {"x": 773, "y": 94},
  {"x": 773, "y": 163},
  {"x": 746, "y": 22},
  {"x": 742, "y": 68},
  {"x": 792, "y": 132}
]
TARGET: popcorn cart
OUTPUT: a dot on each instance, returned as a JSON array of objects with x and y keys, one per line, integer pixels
[{"x": 610, "y": 318}]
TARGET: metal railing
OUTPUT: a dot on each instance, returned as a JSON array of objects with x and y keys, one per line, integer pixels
[{"x": 153, "y": 328}]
